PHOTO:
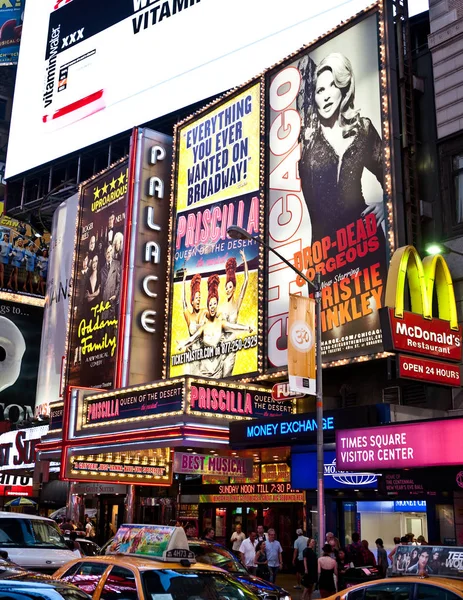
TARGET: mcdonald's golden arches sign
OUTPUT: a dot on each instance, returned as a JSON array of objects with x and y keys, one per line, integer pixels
[{"x": 417, "y": 332}]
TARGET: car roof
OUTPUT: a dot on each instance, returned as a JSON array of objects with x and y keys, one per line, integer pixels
[
  {"x": 15, "y": 515},
  {"x": 445, "y": 582},
  {"x": 36, "y": 581},
  {"x": 145, "y": 564}
]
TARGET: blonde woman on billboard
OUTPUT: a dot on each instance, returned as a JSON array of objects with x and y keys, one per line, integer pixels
[
  {"x": 337, "y": 145},
  {"x": 194, "y": 317},
  {"x": 231, "y": 310},
  {"x": 210, "y": 334}
]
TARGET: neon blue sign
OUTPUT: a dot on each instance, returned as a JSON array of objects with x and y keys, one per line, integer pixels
[{"x": 283, "y": 427}]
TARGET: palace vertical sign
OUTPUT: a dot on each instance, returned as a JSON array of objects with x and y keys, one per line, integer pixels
[
  {"x": 417, "y": 332},
  {"x": 146, "y": 289}
]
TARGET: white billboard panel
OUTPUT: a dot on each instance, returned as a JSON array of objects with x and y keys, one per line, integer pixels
[
  {"x": 55, "y": 319},
  {"x": 89, "y": 70}
]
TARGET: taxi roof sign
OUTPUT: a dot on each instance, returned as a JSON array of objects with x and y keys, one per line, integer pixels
[{"x": 163, "y": 542}]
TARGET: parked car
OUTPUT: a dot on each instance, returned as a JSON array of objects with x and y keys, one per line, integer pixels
[
  {"x": 33, "y": 542},
  {"x": 35, "y": 587},
  {"x": 88, "y": 547},
  {"x": 137, "y": 578},
  {"x": 212, "y": 553},
  {"x": 404, "y": 588}
]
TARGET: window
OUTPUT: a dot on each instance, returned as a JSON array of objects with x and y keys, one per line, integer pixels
[
  {"x": 457, "y": 173},
  {"x": 120, "y": 585},
  {"x": 3, "y": 105},
  {"x": 67, "y": 576},
  {"x": 451, "y": 184},
  {"x": 356, "y": 595},
  {"x": 87, "y": 576},
  {"x": 26, "y": 533},
  {"x": 433, "y": 592},
  {"x": 388, "y": 591},
  {"x": 193, "y": 585}
]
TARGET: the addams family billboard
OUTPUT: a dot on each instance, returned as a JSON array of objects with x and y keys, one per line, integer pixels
[{"x": 94, "y": 325}]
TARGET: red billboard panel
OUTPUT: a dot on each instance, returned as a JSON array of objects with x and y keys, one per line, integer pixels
[
  {"x": 417, "y": 335},
  {"x": 431, "y": 371}
]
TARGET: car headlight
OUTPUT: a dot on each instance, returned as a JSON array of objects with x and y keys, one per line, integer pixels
[{"x": 285, "y": 598}]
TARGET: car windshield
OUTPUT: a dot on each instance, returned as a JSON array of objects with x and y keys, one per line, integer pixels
[
  {"x": 193, "y": 585},
  {"x": 217, "y": 556},
  {"x": 30, "y": 533}
]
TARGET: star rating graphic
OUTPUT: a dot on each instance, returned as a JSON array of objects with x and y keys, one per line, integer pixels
[{"x": 109, "y": 185}]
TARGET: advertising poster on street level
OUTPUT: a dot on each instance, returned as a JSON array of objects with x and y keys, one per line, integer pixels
[
  {"x": 20, "y": 331},
  {"x": 11, "y": 24},
  {"x": 326, "y": 190},
  {"x": 215, "y": 294},
  {"x": 94, "y": 320},
  {"x": 429, "y": 560}
]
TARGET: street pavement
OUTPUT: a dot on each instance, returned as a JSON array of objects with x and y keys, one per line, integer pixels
[{"x": 288, "y": 581}]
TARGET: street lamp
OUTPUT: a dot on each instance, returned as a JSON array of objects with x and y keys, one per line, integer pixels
[
  {"x": 435, "y": 248},
  {"x": 238, "y": 233}
]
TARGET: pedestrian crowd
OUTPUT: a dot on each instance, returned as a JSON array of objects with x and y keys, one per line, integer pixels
[
  {"x": 70, "y": 526},
  {"x": 261, "y": 553}
]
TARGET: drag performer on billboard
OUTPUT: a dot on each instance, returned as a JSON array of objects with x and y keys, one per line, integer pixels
[
  {"x": 337, "y": 145},
  {"x": 231, "y": 310},
  {"x": 195, "y": 317},
  {"x": 210, "y": 334}
]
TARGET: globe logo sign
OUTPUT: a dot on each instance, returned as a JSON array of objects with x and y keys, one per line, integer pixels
[
  {"x": 459, "y": 479},
  {"x": 301, "y": 336},
  {"x": 347, "y": 478}
]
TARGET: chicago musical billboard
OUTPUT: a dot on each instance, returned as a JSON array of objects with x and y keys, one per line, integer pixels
[
  {"x": 326, "y": 188},
  {"x": 94, "y": 320},
  {"x": 214, "y": 316}
]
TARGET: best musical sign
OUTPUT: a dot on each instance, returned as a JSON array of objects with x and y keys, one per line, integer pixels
[{"x": 206, "y": 464}]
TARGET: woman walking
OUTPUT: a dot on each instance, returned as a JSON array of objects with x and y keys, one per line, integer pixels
[
  {"x": 310, "y": 577},
  {"x": 261, "y": 561},
  {"x": 327, "y": 570}
]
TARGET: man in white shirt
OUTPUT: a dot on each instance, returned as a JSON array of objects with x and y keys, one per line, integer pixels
[
  {"x": 237, "y": 538},
  {"x": 248, "y": 552},
  {"x": 300, "y": 545}
]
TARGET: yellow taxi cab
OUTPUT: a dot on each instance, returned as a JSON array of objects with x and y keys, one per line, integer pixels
[
  {"x": 151, "y": 563},
  {"x": 405, "y": 588}
]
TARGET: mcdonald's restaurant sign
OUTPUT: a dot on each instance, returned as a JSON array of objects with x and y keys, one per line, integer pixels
[{"x": 417, "y": 332}]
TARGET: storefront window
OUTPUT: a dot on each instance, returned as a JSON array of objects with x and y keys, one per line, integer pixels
[
  {"x": 446, "y": 520},
  {"x": 220, "y": 522}
]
